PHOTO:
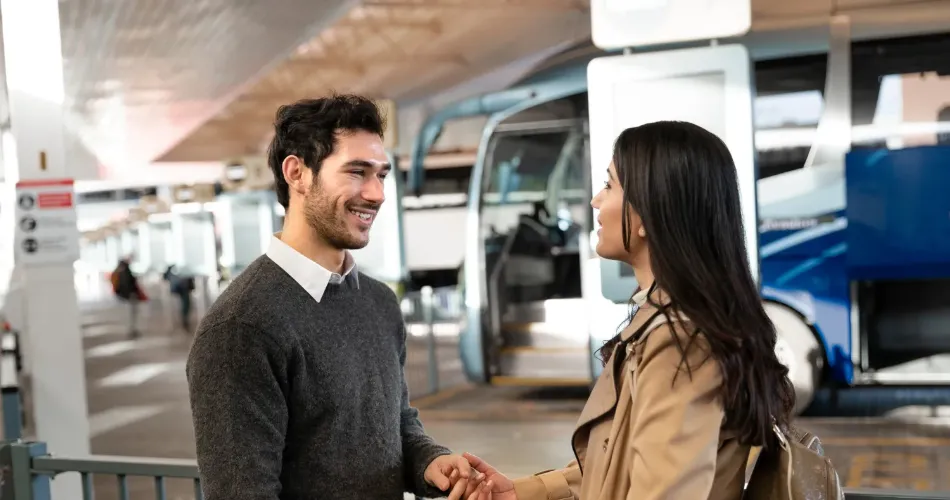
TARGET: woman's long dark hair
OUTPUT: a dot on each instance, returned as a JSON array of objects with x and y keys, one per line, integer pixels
[{"x": 681, "y": 180}]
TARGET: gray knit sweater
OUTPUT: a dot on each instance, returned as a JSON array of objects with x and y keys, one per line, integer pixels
[{"x": 294, "y": 399}]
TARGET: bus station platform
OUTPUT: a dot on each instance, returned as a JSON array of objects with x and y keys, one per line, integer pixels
[{"x": 138, "y": 407}]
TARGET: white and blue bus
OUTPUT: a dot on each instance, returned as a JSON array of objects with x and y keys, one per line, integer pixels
[{"x": 854, "y": 249}]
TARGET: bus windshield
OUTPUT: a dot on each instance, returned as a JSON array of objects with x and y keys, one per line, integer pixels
[
  {"x": 522, "y": 166},
  {"x": 536, "y": 172}
]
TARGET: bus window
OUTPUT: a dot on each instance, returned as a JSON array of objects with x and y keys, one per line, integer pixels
[
  {"x": 519, "y": 172},
  {"x": 943, "y": 118},
  {"x": 900, "y": 92},
  {"x": 522, "y": 163},
  {"x": 788, "y": 104}
]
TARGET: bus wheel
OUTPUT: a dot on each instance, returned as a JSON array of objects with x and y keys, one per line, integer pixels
[{"x": 798, "y": 349}]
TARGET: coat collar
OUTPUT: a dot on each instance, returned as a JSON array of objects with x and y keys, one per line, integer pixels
[
  {"x": 646, "y": 304},
  {"x": 603, "y": 397}
]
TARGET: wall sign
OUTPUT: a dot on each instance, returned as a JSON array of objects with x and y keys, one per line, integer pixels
[{"x": 46, "y": 223}]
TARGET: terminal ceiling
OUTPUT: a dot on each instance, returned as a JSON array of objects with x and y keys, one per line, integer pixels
[{"x": 199, "y": 80}]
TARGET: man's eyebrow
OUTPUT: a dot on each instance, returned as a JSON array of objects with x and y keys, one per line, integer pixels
[{"x": 385, "y": 167}]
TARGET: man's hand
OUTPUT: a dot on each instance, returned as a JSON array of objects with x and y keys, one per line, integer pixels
[
  {"x": 449, "y": 471},
  {"x": 492, "y": 485}
]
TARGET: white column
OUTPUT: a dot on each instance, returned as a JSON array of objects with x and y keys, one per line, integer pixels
[{"x": 34, "y": 73}]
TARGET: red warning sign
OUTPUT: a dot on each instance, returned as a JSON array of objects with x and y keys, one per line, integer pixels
[
  {"x": 55, "y": 200},
  {"x": 47, "y": 193}
]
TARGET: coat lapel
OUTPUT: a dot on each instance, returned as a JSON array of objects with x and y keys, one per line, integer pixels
[{"x": 603, "y": 397}]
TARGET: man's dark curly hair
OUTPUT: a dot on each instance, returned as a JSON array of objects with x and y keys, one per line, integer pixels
[{"x": 309, "y": 128}]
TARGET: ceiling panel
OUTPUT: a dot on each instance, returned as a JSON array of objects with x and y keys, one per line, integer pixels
[
  {"x": 140, "y": 75},
  {"x": 199, "y": 80},
  {"x": 395, "y": 49}
]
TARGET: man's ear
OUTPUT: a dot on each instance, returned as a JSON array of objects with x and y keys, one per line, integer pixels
[{"x": 296, "y": 174}]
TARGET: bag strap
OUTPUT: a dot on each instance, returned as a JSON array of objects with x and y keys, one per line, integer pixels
[
  {"x": 787, "y": 448},
  {"x": 657, "y": 320},
  {"x": 625, "y": 347}
]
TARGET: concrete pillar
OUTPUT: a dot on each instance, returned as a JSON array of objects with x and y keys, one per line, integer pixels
[{"x": 34, "y": 73}]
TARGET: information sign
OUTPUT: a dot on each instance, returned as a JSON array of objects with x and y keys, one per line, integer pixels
[{"x": 46, "y": 223}]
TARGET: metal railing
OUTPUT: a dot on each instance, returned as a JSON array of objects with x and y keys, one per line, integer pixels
[
  {"x": 28, "y": 470},
  {"x": 432, "y": 319},
  {"x": 436, "y": 304}
]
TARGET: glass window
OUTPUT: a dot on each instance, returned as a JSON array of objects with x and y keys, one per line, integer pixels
[
  {"x": 900, "y": 92},
  {"x": 522, "y": 164},
  {"x": 788, "y": 105}
]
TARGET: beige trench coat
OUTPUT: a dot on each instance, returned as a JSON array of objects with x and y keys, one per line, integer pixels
[{"x": 644, "y": 437}]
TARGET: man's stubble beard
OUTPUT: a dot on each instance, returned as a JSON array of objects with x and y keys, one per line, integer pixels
[{"x": 322, "y": 216}]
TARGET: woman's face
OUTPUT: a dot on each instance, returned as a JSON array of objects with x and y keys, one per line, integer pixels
[{"x": 610, "y": 203}]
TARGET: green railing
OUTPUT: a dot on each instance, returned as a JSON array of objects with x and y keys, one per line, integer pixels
[{"x": 28, "y": 470}]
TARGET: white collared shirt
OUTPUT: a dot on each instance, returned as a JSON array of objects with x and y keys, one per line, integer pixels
[
  {"x": 640, "y": 297},
  {"x": 313, "y": 277}
]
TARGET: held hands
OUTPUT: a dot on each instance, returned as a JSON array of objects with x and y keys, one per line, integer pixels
[
  {"x": 469, "y": 478},
  {"x": 450, "y": 471},
  {"x": 488, "y": 483}
]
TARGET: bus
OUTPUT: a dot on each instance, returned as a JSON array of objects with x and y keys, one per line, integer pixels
[{"x": 532, "y": 316}]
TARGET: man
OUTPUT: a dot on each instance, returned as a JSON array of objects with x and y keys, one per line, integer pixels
[
  {"x": 182, "y": 284},
  {"x": 126, "y": 288},
  {"x": 296, "y": 372}
]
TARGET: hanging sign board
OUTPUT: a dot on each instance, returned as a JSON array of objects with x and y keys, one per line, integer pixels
[
  {"x": 618, "y": 24},
  {"x": 46, "y": 223}
]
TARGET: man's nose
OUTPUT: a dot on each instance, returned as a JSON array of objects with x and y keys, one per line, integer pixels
[{"x": 373, "y": 190}]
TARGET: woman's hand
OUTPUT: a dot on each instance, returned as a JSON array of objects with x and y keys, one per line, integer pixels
[{"x": 493, "y": 486}]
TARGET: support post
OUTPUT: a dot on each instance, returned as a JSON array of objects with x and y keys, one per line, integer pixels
[
  {"x": 10, "y": 387},
  {"x": 429, "y": 316},
  {"x": 47, "y": 239}
]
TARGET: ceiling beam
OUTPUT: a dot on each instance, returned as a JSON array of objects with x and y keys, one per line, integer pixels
[
  {"x": 344, "y": 63},
  {"x": 582, "y": 5},
  {"x": 375, "y": 24}
]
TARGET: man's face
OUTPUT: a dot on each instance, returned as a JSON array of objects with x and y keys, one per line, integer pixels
[{"x": 347, "y": 192}]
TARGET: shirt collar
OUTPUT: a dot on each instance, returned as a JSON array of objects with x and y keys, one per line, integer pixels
[
  {"x": 640, "y": 297},
  {"x": 313, "y": 277}
]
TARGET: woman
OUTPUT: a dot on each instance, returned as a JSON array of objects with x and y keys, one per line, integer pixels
[{"x": 692, "y": 381}]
